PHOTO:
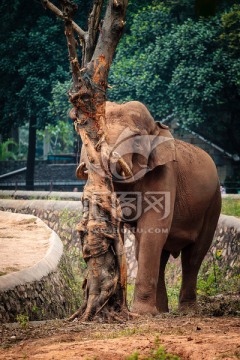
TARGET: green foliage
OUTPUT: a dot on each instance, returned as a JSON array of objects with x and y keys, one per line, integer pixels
[
  {"x": 173, "y": 296},
  {"x": 183, "y": 67},
  {"x": 5, "y": 153},
  {"x": 60, "y": 137},
  {"x": 23, "y": 320},
  {"x": 33, "y": 58},
  {"x": 214, "y": 278},
  {"x": 173, "y": 284},
  {"x": 59, "y": 106},
  {"x": 231, "y": 30},
  {"x": 130, "y": 294}
]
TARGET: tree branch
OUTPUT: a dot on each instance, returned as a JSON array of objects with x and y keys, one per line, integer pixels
[
  {"x": 111, "y": 31},
  {"x": 93, "y": 28},
  {"x": 47, "y": 4}
]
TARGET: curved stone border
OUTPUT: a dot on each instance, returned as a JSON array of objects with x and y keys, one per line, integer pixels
[
  {"x": 36, "y": 272},
  {"x": 46, "y": 290},
  {"x": 226, "y": 244},
  {"x": 229, "y": 221},
  {"x": 47, "y": 195}
]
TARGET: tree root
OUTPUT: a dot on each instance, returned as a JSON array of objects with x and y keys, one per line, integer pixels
[
  {"x": 104, "y": 294},
  {"x": 104, "y": 314}
]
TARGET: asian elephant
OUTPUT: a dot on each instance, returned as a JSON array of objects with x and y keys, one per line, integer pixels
[{"x": 170, "y": 197}]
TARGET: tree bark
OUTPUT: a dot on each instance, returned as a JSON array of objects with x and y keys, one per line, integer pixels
[
  {"x": 99, "y": 229},
  {"x": 31, "y": 153}
]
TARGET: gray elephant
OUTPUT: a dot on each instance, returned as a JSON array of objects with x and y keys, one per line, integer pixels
[{"x": 170, "y": 197}]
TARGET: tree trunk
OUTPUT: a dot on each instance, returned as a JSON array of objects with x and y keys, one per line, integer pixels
[
  {"x": 31, "y": 153},
  {"x": 99, "y": 229}
]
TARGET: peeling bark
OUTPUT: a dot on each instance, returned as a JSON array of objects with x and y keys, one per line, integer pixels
[{"x": 99, "y": 229}]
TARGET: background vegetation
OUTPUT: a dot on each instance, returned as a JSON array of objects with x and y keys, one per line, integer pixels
[
  {"x": 180, "y": 58},
  {"x": 182, "y": 64},
  {"x": 231, "y": 206}
]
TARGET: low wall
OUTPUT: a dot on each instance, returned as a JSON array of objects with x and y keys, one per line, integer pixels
[
  {"x": 42, "y": 291},
  {"x": 63, "y": 216},
  {"x": 226, "y": 245}
]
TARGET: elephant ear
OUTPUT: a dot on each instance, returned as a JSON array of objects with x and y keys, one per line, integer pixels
[{"x": 163, "y": 147}]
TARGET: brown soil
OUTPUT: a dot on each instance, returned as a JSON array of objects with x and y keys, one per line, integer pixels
[
  {"x": 24, "y": 240},
  {"x": 195, "y": 338}
]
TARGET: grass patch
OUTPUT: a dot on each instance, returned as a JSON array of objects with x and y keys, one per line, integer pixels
[
  {"x": 231, "y": 206},
  {"x": 130, "y": 294}
]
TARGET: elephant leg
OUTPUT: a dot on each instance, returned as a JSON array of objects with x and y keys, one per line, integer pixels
[
  {"x": 152, "y": 230},
  {"x": 190, "y": 268},
  {"x": 150, "y": 247},
  {"x": 162, "y": 299},
  {"x": 193, "y": 255},
  {"x": 149, "y": 250}
]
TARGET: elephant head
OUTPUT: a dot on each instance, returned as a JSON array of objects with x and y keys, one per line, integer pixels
[{"x": 133, "y": 143}]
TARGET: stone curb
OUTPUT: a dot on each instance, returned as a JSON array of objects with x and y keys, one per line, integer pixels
[
  {"x": 229, "y": 222},
  {"x": 50, "y": 205},
  {"x": 42, "y": 268},
  {"x": 47, "y": 195}
]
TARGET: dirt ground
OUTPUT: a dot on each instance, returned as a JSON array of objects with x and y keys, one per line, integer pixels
[
  {"x": 24, "y": 235},
  {"x": 196, "y": 338}
]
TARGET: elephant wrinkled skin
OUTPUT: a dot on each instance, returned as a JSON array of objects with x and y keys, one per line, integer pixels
[{"x": 170, "y": 198}]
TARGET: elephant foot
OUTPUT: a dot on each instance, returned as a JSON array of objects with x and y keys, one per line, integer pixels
[
  {"x": 144, "y": 308},
  {"x": 163, "y": 309},
  {"x": 187, "y": 307}
]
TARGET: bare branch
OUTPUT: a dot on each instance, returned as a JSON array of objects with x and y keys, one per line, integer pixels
[
  {"x": 112, "y": 28},
  {"x": 59, "y": 13},
  {"x": 68, "y": 11},
  {"x": 93, "y": 28}
]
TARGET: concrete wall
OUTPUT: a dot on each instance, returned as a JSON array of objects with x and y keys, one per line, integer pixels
[{"x": 42, "y": 291}]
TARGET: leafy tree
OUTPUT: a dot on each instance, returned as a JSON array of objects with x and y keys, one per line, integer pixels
[
  {"x": 60, "y": 137},
  {"x": 5, "y": 153},
  {"x": 32, "y": 58},
  {"x": 230, "y": 30},
  {"x": 33, "y": 61},
  {"x": 189, "y": 69}
]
